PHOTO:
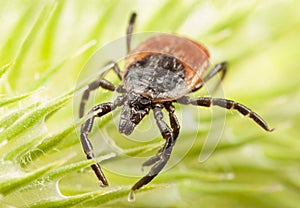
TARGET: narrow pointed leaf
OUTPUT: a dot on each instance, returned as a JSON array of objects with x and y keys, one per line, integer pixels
[
  {"x": 33, "y": 117},
  {"x": 12, "y": 183},
  {"x": 9, "y": 100}
]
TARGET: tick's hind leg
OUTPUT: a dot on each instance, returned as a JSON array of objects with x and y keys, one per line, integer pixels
[
  {"x": 163, "y": 155},
  {"x": 219, "y": 68},
  {"x": 228, "y": 104}
]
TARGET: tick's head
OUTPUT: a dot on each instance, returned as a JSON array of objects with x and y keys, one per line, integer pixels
[
  {"x": 139, "y": 101},
  {"x": 135, "y": 108}
]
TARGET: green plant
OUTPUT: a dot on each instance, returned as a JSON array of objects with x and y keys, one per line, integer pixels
[{"x": 45, "y": 45}]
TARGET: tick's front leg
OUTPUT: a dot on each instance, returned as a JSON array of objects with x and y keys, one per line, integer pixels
[
  {"x": 86, "y": 128},
  {"x": 163, "y": 155}
]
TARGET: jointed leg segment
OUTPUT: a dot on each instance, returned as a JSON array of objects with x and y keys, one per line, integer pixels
[
  {"x": 114, "y": 66},
  {"x": 163, "y": 155},
  {"x": 101, "y": 82},
  {"x": 129, "y": 31},
  {"x": 173, "y": 119},
  {"x": 219, "y": 68},
  {"x": 228, "y": 104},
  {"x": 86, "y": 128},
  {"x": 94, "y": 85}
]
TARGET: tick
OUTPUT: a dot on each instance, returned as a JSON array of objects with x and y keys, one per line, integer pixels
[{"x": 160, "y": 71}]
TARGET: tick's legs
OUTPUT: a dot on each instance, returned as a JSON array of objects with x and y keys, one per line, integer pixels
[
  {"x": 102, "y": 82},
  {"x": 114, "y": 66},
  {"x": 175, "y": 127},
  {"x": 86, "y": 128},
  {"x": 173, "y": 119},
  {"x": 105, "y": 84},
  {"x": 163, "y": 155},
  {"x": 94, "y": 85},
  {"x": 219, "y": 68},
  {"x": 129, "y": 31},
  {"x": 228, "y": 104}
]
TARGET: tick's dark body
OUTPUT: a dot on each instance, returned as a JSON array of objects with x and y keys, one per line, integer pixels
[
  {"x": 161, "y": 70},
  {"x": 156, "y": 76}
]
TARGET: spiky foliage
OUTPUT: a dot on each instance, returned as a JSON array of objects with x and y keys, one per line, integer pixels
[{"x": 45, "y": 45}]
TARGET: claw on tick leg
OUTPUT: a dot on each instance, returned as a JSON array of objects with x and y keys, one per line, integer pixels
[
  {"x": 131, "y": 196},
  {"x": 101, "y": 184}
]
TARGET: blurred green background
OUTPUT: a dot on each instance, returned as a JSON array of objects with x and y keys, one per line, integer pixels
[{"x": 45, "y": 45}]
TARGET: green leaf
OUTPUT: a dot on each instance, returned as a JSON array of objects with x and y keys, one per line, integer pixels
[
  {"x": 46, "y": 144},
  {"x": 46, "y": 44},
  {"x": 35, "y": 116},
  {"x": 6, "y": 101},
  {"x": 4, "y": 69},
  {"x": 89, "y": 199},
  {"x": 52, "y": 70},
  {"x": 14, "y": 115},
  {"x": 21, "y": 149},
  {"x": 19, "y": 179},
  {"x": 45, "y": 13}
]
